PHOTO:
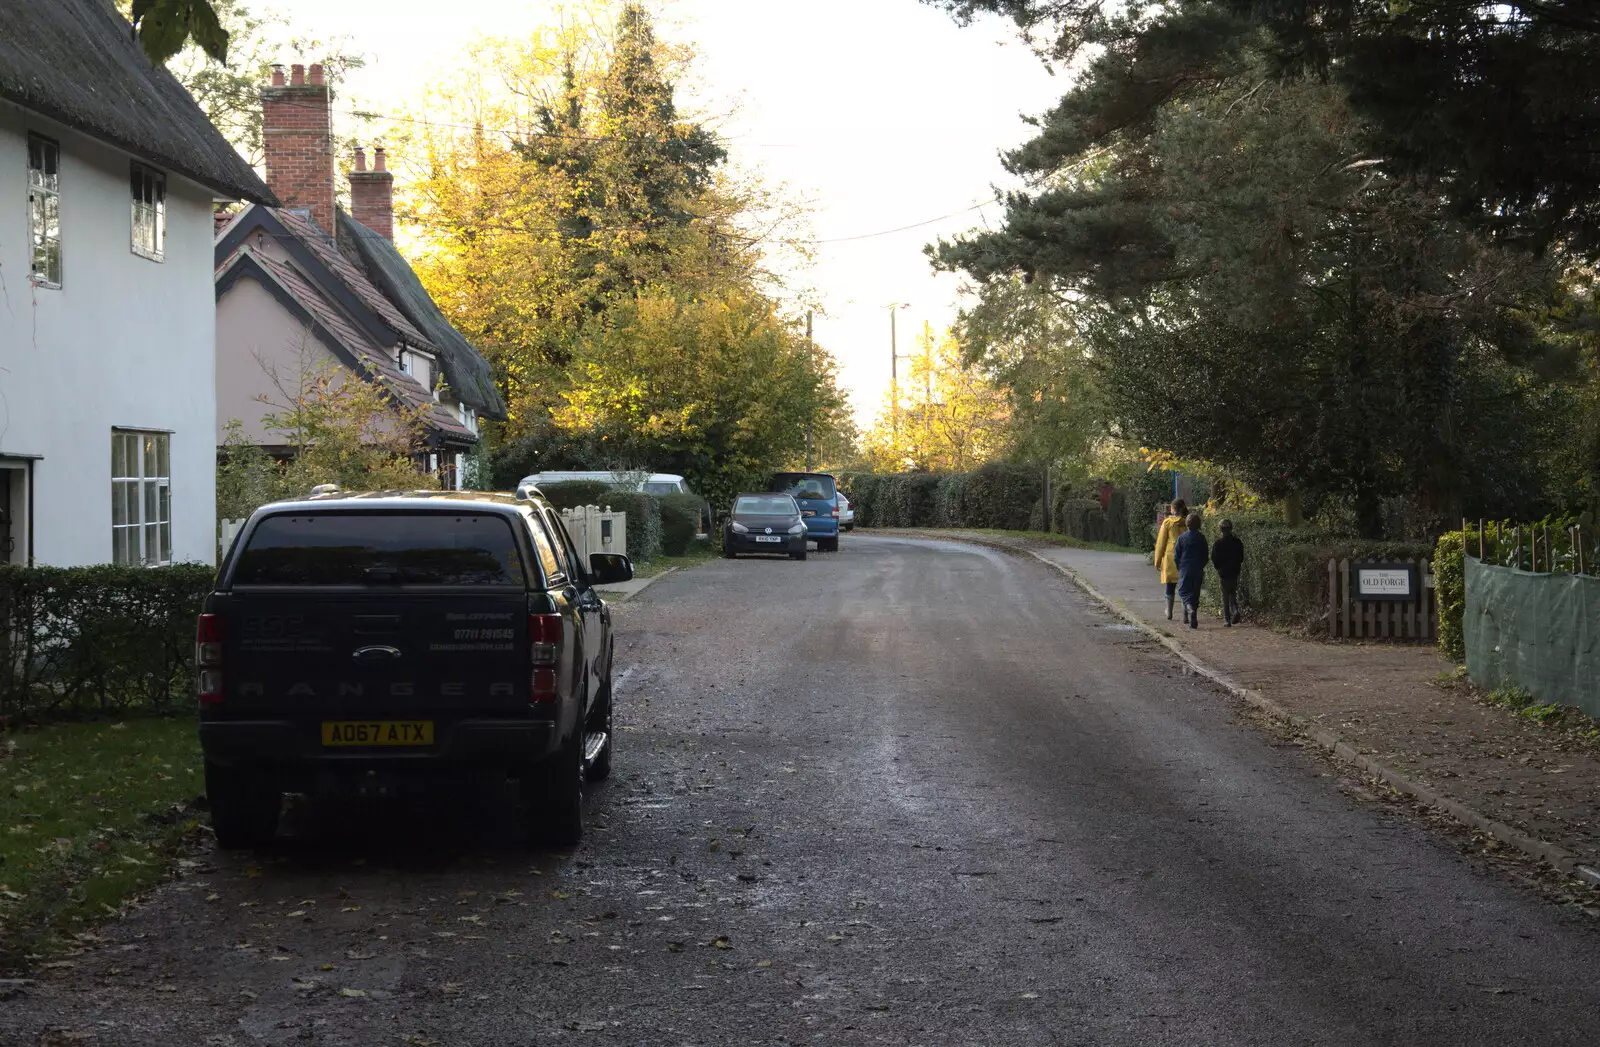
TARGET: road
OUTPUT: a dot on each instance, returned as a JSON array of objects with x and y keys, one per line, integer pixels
[{"x": 913, "y": 793}]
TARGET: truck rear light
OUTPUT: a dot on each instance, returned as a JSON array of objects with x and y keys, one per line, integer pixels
[
  {"x": 544, "y": 649},
  {"x": 834, "y": 514},
  {"x": 208, "y": 658}
]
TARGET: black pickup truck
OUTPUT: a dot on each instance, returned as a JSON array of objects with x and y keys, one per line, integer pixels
[{"x": 398, "y": 639}]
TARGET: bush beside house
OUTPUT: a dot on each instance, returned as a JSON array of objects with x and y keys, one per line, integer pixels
[{"x": 80, "y": 642}]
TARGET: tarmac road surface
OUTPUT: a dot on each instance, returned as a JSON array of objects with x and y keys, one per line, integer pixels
[{"x": 912, "y": 793}]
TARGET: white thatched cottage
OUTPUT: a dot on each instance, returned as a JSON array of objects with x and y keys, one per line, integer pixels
[{"x": 109, "y": 173}]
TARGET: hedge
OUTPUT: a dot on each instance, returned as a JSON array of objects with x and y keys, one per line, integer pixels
[
  {"x": 77, "y": 642},
  {"x": 681, "y": 518},
  {"x": 998, "y": 495},
  {"x": 1450, "y": 590},
  {"x": 1285, "y": 574}
]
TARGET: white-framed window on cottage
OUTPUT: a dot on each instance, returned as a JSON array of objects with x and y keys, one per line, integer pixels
[
  {"x": 44, "y": 210},
  {"x": 141, "y": 497},
  {"x": 149, "y": 188}
]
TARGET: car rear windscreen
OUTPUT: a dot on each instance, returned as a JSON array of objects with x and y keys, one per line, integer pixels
[
  {"x": 347, "y": 548},
  {"x": 802, "y": 485},
  {"x": 765, "y": 505},
  {"x": 662, "y": 487}
]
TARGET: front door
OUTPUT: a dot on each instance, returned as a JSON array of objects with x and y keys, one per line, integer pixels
[
  {"x": 8, "y": 541},
  {"x": 13, "y": 512}
]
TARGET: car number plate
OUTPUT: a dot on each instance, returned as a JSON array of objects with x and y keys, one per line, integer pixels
[
  {"x": 808, "y": 512},
  {"x": 378, "y": 732},
  {"x": 768, "y": 538}
]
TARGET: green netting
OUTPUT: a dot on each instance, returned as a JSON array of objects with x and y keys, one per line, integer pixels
[{"x": 1539, "y": 631}]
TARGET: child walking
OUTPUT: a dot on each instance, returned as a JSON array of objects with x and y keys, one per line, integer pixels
[
  {"x": 1227, "y": 556},
  {"x": 1166, "y": 540},
  {"x": 1191, "y": 553}
]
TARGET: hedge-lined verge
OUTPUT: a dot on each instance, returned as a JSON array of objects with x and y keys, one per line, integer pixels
[{"x": 77, "y": 642}]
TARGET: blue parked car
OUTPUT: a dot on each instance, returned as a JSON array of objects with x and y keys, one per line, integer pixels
[{"x": 819, "y": 505}]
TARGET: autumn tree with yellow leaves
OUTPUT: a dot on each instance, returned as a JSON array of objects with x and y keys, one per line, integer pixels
[
  {"x": 946, "y": 415},
  {"x": 586, "y": 235}
]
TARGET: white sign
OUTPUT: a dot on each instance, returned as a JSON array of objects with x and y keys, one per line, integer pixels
[{"x": 1383, "y": 581}]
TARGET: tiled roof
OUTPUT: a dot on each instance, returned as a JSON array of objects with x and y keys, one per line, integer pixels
[
  {"x": 351, "y": 275},
  {"x": 373, "y": 358}
]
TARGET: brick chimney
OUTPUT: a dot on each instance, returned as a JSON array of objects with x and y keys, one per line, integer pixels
[
  {"x": 297, "y": 123},
  {"x": 372, "y": 193}
]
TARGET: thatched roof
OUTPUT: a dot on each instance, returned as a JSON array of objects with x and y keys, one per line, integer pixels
[
  {"x": 465, "y": 369},
  {"x": 76, "y": 62}
]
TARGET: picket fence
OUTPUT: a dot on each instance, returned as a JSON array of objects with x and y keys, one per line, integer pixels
[
  {"x": 596, "y": 530},
  {"x": 1352, "y": 618}
]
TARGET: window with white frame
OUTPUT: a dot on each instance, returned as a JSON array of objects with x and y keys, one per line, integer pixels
[
  {"x": 149, "y": 211},
  {"x": 44, "y": 210},
  {"x": 141, "y": 497}
]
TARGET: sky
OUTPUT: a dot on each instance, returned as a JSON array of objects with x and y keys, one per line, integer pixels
[{"x": 883, "y": 114}]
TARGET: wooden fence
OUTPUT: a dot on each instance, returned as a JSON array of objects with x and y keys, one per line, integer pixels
[{"x": 1352, "y": 618}]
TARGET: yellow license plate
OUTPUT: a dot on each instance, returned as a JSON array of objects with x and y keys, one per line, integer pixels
[{"x": 378, "y": 732}]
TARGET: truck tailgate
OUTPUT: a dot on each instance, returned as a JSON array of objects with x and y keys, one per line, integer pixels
[{"x": 385, "y": 653}]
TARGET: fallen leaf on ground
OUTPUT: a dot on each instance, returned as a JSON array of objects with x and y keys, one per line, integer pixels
[
  {"x": 352, "y": 993},
  {"x": 721, "y": 942}
]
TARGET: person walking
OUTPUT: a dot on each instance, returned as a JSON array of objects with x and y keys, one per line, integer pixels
[
  {"x": 1166, "y": 542},
  {"x": 1227, "y": 556},
  {"x": 1191, "y": 553}
]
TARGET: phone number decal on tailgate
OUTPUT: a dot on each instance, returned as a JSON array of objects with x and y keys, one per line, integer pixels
[{"x": 378, "y": 732}]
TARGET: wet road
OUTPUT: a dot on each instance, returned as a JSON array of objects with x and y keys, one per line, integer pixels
[{"x": 914, "y": 793}]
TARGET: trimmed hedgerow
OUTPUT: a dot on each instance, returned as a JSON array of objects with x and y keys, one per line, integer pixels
[
  {"x": 78, "y": 642},
  {"x": 997, "y": 495},
  {"x": 681, "y": 517}
]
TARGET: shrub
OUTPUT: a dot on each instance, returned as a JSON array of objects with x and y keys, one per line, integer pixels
[
  {"x": 644, "y": 523},
  {"x": 1145, "y": 490},
  {"x": 680, "y": 522},
  {"x": 84, "y": 641},
  {"x": 1285, "y": 573},
  {"x": 1450, "y": 588}
]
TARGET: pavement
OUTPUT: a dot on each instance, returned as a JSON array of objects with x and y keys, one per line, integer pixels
[{"x": 913, "y": 793}]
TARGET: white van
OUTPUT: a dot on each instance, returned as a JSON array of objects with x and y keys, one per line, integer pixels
[{"x": 643, "y": 482}]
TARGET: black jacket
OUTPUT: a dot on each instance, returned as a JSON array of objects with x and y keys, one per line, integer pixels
[{"x": 1228, "y": 556}]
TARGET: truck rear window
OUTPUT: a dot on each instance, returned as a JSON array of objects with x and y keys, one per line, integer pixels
[{"x": 348, "y": 548}]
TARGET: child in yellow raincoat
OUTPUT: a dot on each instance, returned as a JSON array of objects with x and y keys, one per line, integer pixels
[{"x": 1166, "y": 541}]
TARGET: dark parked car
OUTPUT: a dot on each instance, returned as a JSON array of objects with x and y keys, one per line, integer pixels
[
  {"x": 405, "y": 640},
  {"x": 765, "y": 523}
]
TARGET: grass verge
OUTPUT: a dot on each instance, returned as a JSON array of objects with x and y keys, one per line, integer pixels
[
  {"x": 699, "y": 553},
  {"x": 90, "y": 815}
]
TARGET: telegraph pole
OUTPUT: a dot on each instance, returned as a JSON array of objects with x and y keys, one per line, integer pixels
[
  {"x": 810, "y": 367},
  {"x": 894, "y": 364}
]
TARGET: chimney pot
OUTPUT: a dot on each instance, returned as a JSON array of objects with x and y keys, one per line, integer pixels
[
  {"x": 378, "y": 160},
  {"x": 314, "y": 74},
  {"x": 361, "y": 159},
  {"x": 297, "y": 75},
  {"x": 277, "y": 74}
]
